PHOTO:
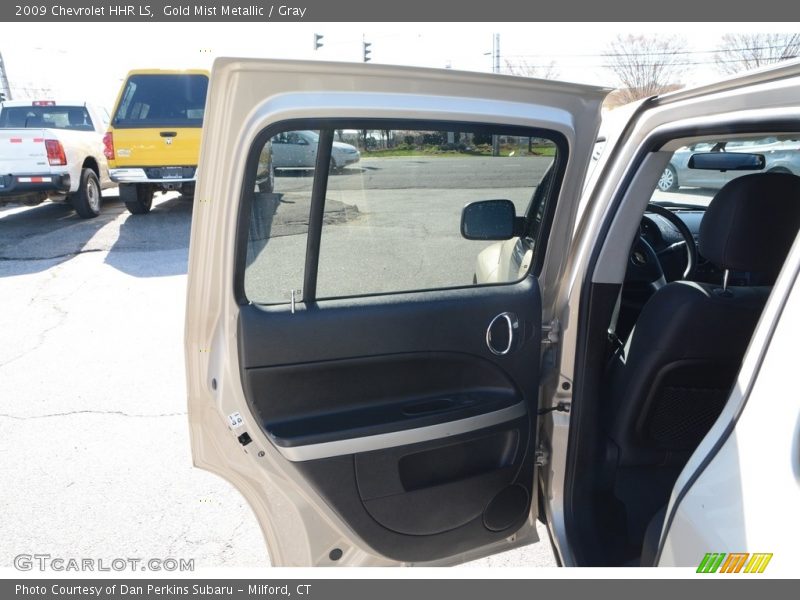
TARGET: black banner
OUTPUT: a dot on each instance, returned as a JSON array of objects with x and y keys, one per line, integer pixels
[
  {"x": 395, "y": 589},
  {"x": 408, "y": 10}
]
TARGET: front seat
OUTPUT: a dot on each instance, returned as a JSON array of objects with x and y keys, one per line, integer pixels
[{"x": 688, "y": 343}]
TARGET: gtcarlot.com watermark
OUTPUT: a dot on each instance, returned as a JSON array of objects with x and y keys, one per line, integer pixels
[{"x": 48, "y": 562}]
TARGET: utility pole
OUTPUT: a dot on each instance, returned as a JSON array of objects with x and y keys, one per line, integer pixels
[
  {"x": 5, "y": 88},
  {"x": 365, "y": 48},
  {"x": 496, "y": 69},
  {"x": 496, "y": 53}
]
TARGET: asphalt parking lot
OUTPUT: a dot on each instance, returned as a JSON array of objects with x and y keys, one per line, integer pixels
[{"x": 93, "y": 426}]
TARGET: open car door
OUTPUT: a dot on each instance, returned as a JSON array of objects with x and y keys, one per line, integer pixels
[{"x": 363, "y": 357}]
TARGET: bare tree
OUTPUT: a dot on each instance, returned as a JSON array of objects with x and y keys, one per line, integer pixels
[
  {"x": 744, "y": 51},
  {"x": 525, "y": 69},
  {"x": 644, "y": 65}
]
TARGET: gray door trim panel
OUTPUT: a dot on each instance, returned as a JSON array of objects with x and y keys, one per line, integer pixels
[{"x": 401, "y": 438}]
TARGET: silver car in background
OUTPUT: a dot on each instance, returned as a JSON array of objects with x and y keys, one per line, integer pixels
[
  {"x": 782, "y": 156},
  {"x": 298, "y": 150}
]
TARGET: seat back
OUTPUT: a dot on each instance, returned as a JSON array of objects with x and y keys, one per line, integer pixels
[
  {"x": 689, "y": 341},
  {"x": 681, "y": 364}
]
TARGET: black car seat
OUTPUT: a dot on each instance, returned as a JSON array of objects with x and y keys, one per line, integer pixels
[{"x": 689, "y": 341}]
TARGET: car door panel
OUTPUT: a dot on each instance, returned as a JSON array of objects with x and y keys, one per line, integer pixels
[
  {"x": 421, "y": 423},
  {"x": 372, "y": 397},
  {"x": 443, "y": 517},
  {"x": 403, "y": 364},
  {"x": 384, "y": 422}
]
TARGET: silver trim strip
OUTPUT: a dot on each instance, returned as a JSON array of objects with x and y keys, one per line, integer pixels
[
  {"x": 512, "y": 322},
  {"x": 137, "y": 175},
  {"x": 402, "y": 438}
]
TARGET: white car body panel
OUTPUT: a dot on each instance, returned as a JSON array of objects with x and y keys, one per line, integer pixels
[{"x": 745, "y": 498}]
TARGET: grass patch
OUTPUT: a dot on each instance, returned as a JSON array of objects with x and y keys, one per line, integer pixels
[
  {"x": 543, "y": 151},
  {"x": 408, "y": 152},
  {"x": 437, "y": 151}
]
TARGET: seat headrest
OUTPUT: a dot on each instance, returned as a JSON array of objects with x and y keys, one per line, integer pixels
[{"x": 751, "y": 222}]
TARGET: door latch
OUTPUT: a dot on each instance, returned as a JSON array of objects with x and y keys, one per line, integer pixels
[
  {"x": 541, "y": 456},
  {"x": 560, "y": 407},
  {"x": 551, "y": 332}
]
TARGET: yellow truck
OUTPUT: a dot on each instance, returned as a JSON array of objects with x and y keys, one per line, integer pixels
[{"x": 153, "y": 141}]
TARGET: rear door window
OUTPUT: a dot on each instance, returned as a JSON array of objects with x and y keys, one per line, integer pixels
[
  {"x": 159, "y": 100},
  {"x": 390, "y": 218},
  {"x": 53, "y": 117}
]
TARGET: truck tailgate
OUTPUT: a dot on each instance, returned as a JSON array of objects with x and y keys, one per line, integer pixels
[
  {"x": 23, "y": 151},
  {"x": 162, "y": 146}
]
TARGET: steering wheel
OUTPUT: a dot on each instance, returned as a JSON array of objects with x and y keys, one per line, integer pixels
[{"x": 645, "y": 265}]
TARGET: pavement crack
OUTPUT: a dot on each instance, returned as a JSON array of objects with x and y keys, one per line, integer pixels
[
  {"x": 41, "y": 336},
  {"x": 90, "y": 412},
  {"x": 229, "y": 547}
]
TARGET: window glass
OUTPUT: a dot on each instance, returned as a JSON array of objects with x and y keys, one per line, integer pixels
[
  {"x": 392, "y": 211},
  {"x": 279, "y": 220},
  {"x": 52, "y": 117},
  {"x": 679, "y": 183},
  {"x": 162, "y": 100}
]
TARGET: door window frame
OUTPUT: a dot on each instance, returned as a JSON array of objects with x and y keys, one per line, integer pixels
[{"x": 319, "y": 190}]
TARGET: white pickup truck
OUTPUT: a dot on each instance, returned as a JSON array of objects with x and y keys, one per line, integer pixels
[{"x": 53, "y": 150}]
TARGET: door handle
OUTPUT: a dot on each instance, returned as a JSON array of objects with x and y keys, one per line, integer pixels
[{"x": 502, "y": 333}]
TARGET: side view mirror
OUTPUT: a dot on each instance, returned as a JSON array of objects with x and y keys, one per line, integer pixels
[{"x": 489, "y": 220}]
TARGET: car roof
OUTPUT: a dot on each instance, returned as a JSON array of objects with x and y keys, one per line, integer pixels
[
  {"x": 30, "y": 102},
  {"x": 169, "y": 72},
  {"x": 781, "y": 70}
]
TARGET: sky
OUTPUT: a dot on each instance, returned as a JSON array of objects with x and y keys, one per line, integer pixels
[{"x": 88, "y": 61}]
